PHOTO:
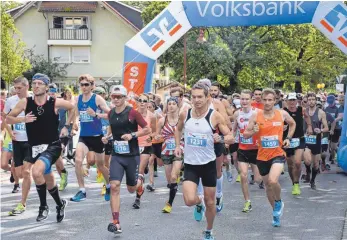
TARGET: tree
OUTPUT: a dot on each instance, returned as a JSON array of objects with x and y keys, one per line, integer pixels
[
  {"x": 13, "y": 61},
  {"x": 40, "y": 64},
  {"x": 137, "y": 4}
]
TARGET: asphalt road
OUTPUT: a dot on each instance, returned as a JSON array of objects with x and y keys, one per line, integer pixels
[{"x": 314, "y": 215}]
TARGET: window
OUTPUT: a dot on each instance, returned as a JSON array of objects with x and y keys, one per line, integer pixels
[
  {"x": 60, "y": 54},
  {"x": 70, "y": 22},
  {"x": 81, "y": 54}
]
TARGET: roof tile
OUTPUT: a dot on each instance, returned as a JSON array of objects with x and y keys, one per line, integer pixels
[{"x": 59, "y": 6}]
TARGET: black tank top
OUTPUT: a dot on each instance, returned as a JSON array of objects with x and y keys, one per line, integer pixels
[
  {"x": 299, "y": 120},
  {"x": 122, "y": 123},
  {"x": 45, "y": 129}
]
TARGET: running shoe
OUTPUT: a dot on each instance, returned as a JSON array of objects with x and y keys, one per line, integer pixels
[
  {"x": 276, "y": 221},
  {"x": 167, "y": 208},
  {"x": 137, "y": 203},
  {"x": 103, "y": 190},
  {"x": 150, "y": 187},
  {"x": 261, "y": 185},
  {"x": 199, "y": 211},
  {"x": 238, "y": 179},
  {"x": 208, "y": 235},
  {"x": 15, "y": 188},
  {"x": 17, "y": 210},
  {"x": 114, "y": 229},
  {"x": 296, "y": 189},
  {"x": 155, "y": 174},
  {"x": 278, "y": 209},
  {"x": 63, "y": 181},
  {"x": 229, "y": 176},
  {"x": 43, "y": 213},
  {"x": 219, "y": 204},
  {"x": 327, "y": 166},
  {"x": 107, "y": 195},
  {"x": 313, "y": 185},
  {"x": 80, "y": 196},
  {"x": 61, "y": 211},
  {"x": 247, "y": 207},
  {"x": 252, "y": 182}
]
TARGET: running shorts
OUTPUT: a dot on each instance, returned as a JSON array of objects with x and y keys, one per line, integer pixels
[
  {"x": 247, "y": 156},
  {"x": 21, "y": 152},
  {"x": 265, "y": 166},
  {"x": 129, "y": 165},
  {"x": 93, "y": 143},
  {"x": 207, "y": 172}
]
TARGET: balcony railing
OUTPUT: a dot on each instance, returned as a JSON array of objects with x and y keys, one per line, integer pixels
[{"x": 70, "y": 34}]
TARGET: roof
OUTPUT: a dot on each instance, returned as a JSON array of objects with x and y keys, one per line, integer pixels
[
  {"x": 59, "y": 6},
  {"x": 15, "y": 10},
  {"x": 132, "y": 15}
]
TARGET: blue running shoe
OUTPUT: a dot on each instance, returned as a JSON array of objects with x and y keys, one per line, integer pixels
[
  {"x": 199, "y": 211},
  {"x": 107, "y": 194},
  {"x": 219, "y": 204},
  {"x": 278, "y": 209},
  {"x": 276, "y": 222},
  {"x": 80, "y": 196},
  {"x": 208, "y": 235}
]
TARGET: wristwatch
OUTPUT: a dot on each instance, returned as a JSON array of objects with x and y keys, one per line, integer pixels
[{"x": 133, "y": 135}]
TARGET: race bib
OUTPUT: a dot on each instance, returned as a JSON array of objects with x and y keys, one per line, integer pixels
[
  {"x": 39, "y": 149},
  {"x": 121, "y": 147},
  {"x": 10, "y": 146},
  {"x": 85, "y": 117},
  {"x": 325, "y": 141},
  {"x": 197, "y": 140},
  {"x": 170, "y": 144},
  {"x": 311, "y": 139},
  {"x": 294, "y": 143},
  {"x": 269, "y": 142},
  {"x": 245, "y": 141},
  {"x": 20, "y": 127}
]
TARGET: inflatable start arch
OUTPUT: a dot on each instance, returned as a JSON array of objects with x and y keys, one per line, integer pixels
[{"x": 177, "y": 18}]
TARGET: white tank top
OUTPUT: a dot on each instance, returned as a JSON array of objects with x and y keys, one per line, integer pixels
[
  {"x": 19, "y": 129},
  {"x": 243, "y": 118},
  {"x": 198, "y": 139}
]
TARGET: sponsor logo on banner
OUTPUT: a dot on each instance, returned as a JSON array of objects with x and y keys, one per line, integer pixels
[
  {"x": 161, "y": 30},
  {"x": 134, "y": 78},
  {"x": 335, "y": 22}
]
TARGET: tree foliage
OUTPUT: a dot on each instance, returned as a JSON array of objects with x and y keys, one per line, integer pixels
[
  {"x": 13, "y": 61},
  {"x": 248, "y": 57}
]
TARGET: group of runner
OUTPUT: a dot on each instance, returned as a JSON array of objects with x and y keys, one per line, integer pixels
[{"x": 199, "y": 134}]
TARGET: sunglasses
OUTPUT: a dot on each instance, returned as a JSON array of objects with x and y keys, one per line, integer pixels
[
  {"x": 85, "y": 84},
  {"x": 116, "y": 97},
  {"x": 142, "y": 101}
]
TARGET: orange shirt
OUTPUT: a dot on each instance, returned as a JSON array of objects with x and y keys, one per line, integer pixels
[
  {"x": 258, "y": 105},
  {"x": 143, "y": 140},
  {"x": 270, "y": 136}
]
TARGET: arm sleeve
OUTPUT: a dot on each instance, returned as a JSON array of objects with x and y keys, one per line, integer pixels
[{"x": 138, "y": 118}]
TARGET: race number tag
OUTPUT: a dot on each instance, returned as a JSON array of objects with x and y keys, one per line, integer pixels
[
  {"x": 39, "y": 149},
  {"x": 121, "y": 147},
  {"x": 244, "y": 140},
  {"x": 85, "y": 117},
  {"x": 10, "y": 146},
  {"x": 294, "y": 143},
  {"x": 269, "y": 142},
  {"x": 197, "y": 140},
  {"x": 20, "y": 127},
  {"x": 170, "y": 144},
  {"x": 311, "y": 139},
  {"x": 325, "y": 141}
]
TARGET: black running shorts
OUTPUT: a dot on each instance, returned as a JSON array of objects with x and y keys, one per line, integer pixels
[
  {"x": 291, "y": 151},
  {"x": 265, "y": 166},
  {"x": 157, "y": 149},
  {"x": 93, "y": 143},
  {"x": 21, "y": 152},
  {"x": 247, "y": 156},
  {"x": 219, "y": 149},
  {"x": 108, "y": 147},
  {"x": 128, "y": 164},
  {"x": 207, "y": 173}
]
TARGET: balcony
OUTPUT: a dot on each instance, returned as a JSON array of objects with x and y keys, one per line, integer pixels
[{"x": 62, "y": 36}]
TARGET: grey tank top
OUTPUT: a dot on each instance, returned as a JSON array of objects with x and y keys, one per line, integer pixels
[{"x": 316, "y": 123}]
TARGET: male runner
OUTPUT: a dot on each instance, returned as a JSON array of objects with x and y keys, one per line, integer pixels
[
  {"x": 313, "y": 142},
  {"x": 296, "y": 148},
  {"x": 88, "y": 107},
  {"x": 248, "y": 148},
  {"x": 21, "y": 148},
  {"x": 200, "y": 124},
  {"x": 42, "y": 117},
  {"x": 257, "y": 103},
  {"x": 268, "y": 127},
  {"x": 124, "y": 122}
]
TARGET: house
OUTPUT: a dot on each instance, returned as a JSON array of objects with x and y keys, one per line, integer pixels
[{"x": 90, "y": 36}]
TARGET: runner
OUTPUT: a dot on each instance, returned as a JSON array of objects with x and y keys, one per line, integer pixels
[
  {"x": 124, "y": 122},
  {"x": 297, "y": 143},
  {"x": 166, "y": 130},
  {"x": 313, "y": 142},
  {"x": 257, "y": 103},
  {"x": 42, "y": 116},
  {"x": 89, "y": 106},
  {"x": 200, "y": 124},
  {"x": 335, "y": 134},
  {"x": 268, "y": 127},
  {"x": 248, "y": 148}
]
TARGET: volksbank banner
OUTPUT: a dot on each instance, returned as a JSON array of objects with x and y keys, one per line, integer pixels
[{"x": 248, "y": 13}]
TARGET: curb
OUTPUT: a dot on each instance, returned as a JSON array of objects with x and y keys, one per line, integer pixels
[{"x": 344, "y": 228}]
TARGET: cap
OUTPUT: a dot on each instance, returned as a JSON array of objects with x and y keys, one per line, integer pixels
[
  {"x": 292, "y": 96},
  {"x": 44, "y": 78},
  {"x": 99, "y": 90},
  {"x": 119, "y": 89},
  {"x": 206, "y": 82},
  {"x": 331, "y": 99},
  {"x": 237, "y": 103}
]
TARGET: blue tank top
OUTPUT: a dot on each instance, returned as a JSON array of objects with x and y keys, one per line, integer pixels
[
  {"x": 90, "y": 126},
  {"x": 105, "y": 123}
]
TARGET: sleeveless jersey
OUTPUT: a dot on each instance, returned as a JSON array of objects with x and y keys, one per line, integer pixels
[
  {"x": 143, "y": 140},
  {"x": 168, "y": 133},
  {"x": 19, "y": 129},
  {"x": 270, "y": 136},
  {"x": 242, "y": 123},
  {"x": 298, "y": 117},
  {"x": 316, "y": 123},
  {"x": 198, "y": 139},
  {"x": 44, "y": 130},
  {"x": 90, "y": 126}
]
